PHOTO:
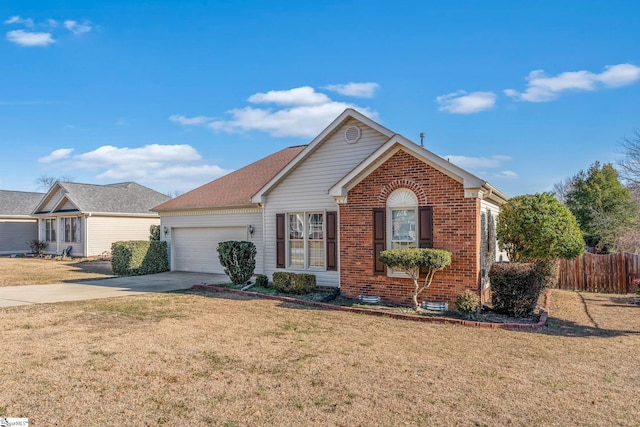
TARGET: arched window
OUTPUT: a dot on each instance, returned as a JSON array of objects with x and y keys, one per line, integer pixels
[{"x": 402, "y": 215}]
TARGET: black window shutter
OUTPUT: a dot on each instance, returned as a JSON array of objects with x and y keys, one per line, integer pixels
[
  {"x": 332, "y": 241},
  {"x": 280, "y": 241},
  {"x": 378, "y": 239},
  {"x": 425, "y": 224}
]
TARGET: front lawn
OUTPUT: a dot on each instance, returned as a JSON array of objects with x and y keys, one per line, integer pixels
[
  {"x": 225, "y": 360},
  {"x": 38, "y": 271}
]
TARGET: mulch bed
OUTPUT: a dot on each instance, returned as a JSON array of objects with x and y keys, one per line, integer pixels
[{"x": 322, "y": 299}]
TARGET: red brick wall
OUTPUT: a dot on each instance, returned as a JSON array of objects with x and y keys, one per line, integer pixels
[{"x": 456, "y": 228}]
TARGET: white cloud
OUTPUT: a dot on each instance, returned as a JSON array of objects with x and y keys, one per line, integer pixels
[
  {"x": 29, "y": 39},
  {"x": 77, "y": 28},
  {"x": 302, "y": 121},
  {"x": 359, "y": 90},
  {"x": 542, "y": 88},
  {"x": 467, "y": 162},
  {"x": 171, "y": 166},
  {"x": 507, "y": 174},
  {"x": 189, "y": 121},
  {"x": 461, "y": 102},
  {"x": 59, "y": 154},
  {"x": 18, "y": 20},
  {"x": 304, "y": 95},
  {"x": 299, "y": 112}
]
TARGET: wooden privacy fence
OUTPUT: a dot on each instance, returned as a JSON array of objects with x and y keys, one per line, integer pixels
[{"x": 612, "y": 273}]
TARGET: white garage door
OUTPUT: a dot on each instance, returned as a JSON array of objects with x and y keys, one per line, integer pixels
[{"x": 196, "y": 249}]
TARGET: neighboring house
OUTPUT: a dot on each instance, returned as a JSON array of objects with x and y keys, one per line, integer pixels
[
  {"x": 330, "y": 207},
  {"x": 17, "y": 226},
  {"x": 89, "y": 218}
]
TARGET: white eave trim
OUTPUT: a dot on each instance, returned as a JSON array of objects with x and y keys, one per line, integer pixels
[
  {"x": 347, "y": 114},
  {"x": 474, "y": 186},
  {"x": 62, "y": 201},
  {"x": 25, "y": 217}
]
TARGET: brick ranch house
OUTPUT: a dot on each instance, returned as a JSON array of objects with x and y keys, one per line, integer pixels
[{"x": 329, "y": 207}]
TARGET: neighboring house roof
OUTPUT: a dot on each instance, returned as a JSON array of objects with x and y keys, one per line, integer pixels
[
  {"x": 235, "y": 188},
  {"x": 18, "y": 203},
  {"x": 120, "y": 198}
]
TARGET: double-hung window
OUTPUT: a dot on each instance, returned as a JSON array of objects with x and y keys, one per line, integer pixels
[
  {"x": 306, "y": 239},
  {"x": 50, "y": 229},
  {"x": 402, "y": 215},
  {"x": 71, "y": 229}
]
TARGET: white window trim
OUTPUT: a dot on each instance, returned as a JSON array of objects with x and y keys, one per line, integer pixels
[
  {"x": 78, "y": 227},
  {"x": 53, "y": 226},
  {"x": 305, "y": 225},
  {"x": 399, "y": 200}
]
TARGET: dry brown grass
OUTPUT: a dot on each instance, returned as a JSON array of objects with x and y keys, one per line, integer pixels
[
  {"x": 37, "y": 271},
  {"x": 183, "y": 359}
]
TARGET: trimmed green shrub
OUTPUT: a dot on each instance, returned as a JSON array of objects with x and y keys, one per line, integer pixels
[
  {"x": 139, "y": 257},
  {"x": 293, "y": 283},
  {"x": 537, "y": 227},
  {"x": 515, "y": 288},
  {"x": 468, "y": 303},
  {"x": 238, "y": 260},
  {"x": 262, "y": 280},
  {"x": 412, "y": 260}
]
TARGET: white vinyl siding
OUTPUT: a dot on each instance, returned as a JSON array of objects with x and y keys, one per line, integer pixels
[
  {"x": 102, "y": 231},
  {"x": 305, "y": 189},
  {"x": 16, "y": 233},
  {"x": 196, "y": 249},
  {"x": 235, "y": 218}
]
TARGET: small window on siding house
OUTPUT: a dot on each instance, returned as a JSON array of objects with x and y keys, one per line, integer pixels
[
  {"x": 296, "y": 240},
  {"x": 316, "y": 239},
  {"x": 306, "y": 240},
  {"x": 50, "y": 230},
  {"x": 71, "y": 229}
]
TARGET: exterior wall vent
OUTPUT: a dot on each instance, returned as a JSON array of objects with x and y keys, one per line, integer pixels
[{"x": 352, "y": 134}]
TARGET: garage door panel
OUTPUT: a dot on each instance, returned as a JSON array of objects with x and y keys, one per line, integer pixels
[{"x": 196, "y": 249}]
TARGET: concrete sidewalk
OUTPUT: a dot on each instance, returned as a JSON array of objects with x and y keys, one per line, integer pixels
[{"x": 105, "y": 288}]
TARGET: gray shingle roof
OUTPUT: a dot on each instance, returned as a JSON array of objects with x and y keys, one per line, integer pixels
[
  {"x": 124, "y": 197},
  {"x": 18, "y": 202}
]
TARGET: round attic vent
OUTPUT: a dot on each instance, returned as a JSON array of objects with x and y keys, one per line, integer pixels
[{"x": 352, "y": 134}]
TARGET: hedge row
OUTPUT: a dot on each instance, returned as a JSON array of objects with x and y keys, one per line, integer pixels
[{"x": 138, "y": 257}]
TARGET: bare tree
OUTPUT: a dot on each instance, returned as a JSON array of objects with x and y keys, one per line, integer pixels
[
  {"x": 46, "y": 181},
  {"x": 563, "y": 188},
  {"x": 174, "y": 193},
  {"x": 630, "y": 166}
]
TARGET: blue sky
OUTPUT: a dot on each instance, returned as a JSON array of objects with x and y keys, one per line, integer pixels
[{"x": 173, "y": 94}]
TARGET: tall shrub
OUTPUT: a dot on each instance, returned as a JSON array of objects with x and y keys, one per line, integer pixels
[
  {"x": 515, "y": 287},
  {"x": 139, "y": 257},
  {"x": 238, "y": 260},
  {"x": 537, "y": 227},
  {"x": 412, "y": 260}
]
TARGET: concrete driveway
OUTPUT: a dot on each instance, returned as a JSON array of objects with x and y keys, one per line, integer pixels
[{"x": 105, "y": 288}]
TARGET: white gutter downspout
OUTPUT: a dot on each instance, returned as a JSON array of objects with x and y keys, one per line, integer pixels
[{"x": 86, "y": 234}]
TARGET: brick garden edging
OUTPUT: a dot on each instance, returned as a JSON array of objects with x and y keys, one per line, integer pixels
[{"x": 471, "y": 323}]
